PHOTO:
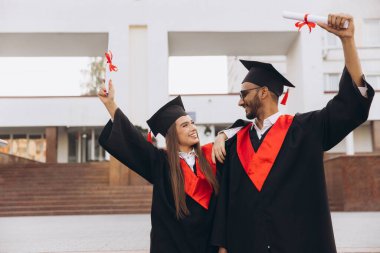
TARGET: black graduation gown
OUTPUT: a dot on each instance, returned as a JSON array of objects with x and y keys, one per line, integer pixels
[
  {"x": 168, "y": 235},
  {"x": 290, "y": 214}
]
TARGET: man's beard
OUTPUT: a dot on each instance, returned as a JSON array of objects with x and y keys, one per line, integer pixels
[{"x": 254, "y": 107}]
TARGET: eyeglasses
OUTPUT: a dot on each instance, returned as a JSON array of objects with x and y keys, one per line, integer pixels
[{"x": 244, "y": 93}]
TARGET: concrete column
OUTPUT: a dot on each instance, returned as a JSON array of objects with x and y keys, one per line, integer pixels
[
  {"x": 376, "y": 135},
  {"x": 63, "y": 145},
  {"x": 100, "y": 154},
  {"x": 132, "y": 89},
  {"x": 304, "y": 70},
  {"x": 51, "y": 144},
  {"x": 158, "y": 74},
  {"x": 84, "y": 138},
  {"x": 350, "y": 144},
  {"x": 92, "y": 145},
  {"x": 79, "y": 147},
  {"x": 107, "y": 156},
  {"x": 137, "y": 109},
  {"x": 11, "y": 144}
]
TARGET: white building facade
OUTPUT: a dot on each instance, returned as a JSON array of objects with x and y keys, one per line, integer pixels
[{"x": 144, "y": 34}]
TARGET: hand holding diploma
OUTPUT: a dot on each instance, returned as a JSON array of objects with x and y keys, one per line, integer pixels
[
  {"x": 336, "y": 25},
  {"x": 342, "y": 25},
  {"x": 108, "y": 98},
  {"x": 310, "y": 20},
  {"x": 110, "y": 67},
  {"x": 351, "y": 58}
]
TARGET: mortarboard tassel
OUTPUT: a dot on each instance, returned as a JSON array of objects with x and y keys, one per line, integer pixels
[
  {"x": 149, "y": 137},
  {"x": 285, "y": 98}
]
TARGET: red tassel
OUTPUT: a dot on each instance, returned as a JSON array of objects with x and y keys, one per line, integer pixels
[
  {"x": 149, "y": 137},
  {"x": 285, "y": 98}
]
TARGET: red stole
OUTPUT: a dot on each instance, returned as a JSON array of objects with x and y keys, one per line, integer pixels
[
  {"x": 258, "y": 165},
  {"x": 197, "y": 186}
]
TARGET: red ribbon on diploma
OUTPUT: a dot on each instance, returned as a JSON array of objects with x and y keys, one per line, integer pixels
[
  {"x": 305, "y": 22},
  {"x": 109, "y": 57}
]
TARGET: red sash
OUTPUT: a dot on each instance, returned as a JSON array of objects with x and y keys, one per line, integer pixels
[
  {"x": 197, "y": 186},
  {"x": 258, "y": 165}
]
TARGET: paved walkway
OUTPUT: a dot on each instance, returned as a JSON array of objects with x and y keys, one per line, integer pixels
[{"x": 354, "y": 232}]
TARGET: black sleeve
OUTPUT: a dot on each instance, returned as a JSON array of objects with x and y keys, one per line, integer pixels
[
  {"x": 219, "y": 229},
  {"x": 239, "y": 123},
  {"x": 346, "y": 111},
  {"x": 125, "y": 142}
]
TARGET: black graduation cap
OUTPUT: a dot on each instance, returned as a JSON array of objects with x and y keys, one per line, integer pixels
[
  {"x": 264, "y": 74},
  {"x": 161, "y": 121}
]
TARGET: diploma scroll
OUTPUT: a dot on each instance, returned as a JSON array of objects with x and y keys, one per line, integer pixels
[
  {"x": 109, "y": 68},
  {"x": 107, "y": 78},
  {"x": 310, "y": 18}
]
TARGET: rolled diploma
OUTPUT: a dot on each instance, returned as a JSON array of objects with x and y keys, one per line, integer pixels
[
  {"x": 311, "y": 18},
  {"x": 107, "y": 77},
  {"x": 3, "y": 143}
]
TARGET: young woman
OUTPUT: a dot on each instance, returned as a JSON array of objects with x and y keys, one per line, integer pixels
[{"x": 183, "y": 176}]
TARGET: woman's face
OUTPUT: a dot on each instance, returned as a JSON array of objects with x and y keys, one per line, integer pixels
[{"x": 187, "y": 133}]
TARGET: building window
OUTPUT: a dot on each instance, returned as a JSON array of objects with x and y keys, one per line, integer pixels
[
  {"x": 332, "y": 82},
  {"x": 30, "y": 146},
  {"x": 84, "y": 147},
  {"x": 45, "y": 76},
  {"x": 371, "y": 32},
  {"x": 5, "y": 149},
  {"x": 374, "y": 81},
  {"x": 203, "y": 80}
]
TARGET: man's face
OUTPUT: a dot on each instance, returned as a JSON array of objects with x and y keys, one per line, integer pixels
[{"x": 250, "y": 100}]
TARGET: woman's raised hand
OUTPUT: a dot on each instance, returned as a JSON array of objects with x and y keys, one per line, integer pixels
[{"x": 108, "y": 98}]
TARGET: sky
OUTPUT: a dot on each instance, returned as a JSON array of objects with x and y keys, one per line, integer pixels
[{"x": 62, "y": 76}]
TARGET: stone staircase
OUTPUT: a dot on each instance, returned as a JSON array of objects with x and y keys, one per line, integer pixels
[
  {"x": 31, "y": 188},
  {"x": 67, "y": 189}
]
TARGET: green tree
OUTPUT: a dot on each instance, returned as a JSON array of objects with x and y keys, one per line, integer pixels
[{"x": 95, "y": 76}]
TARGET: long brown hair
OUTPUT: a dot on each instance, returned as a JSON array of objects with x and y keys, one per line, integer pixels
[{"x": 176, "y": 175}]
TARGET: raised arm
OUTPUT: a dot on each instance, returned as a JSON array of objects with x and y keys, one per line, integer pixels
[
  {"x": 218, "y": 150},
  {"x": 351, "y": 58},
  {"x": 125, "y": 142},
  {"x": 108, "y": 99},
  {"x": 350, "y": 107}
]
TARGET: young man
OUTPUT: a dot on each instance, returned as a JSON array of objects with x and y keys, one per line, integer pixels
[{"x": 273, "y": 192}]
